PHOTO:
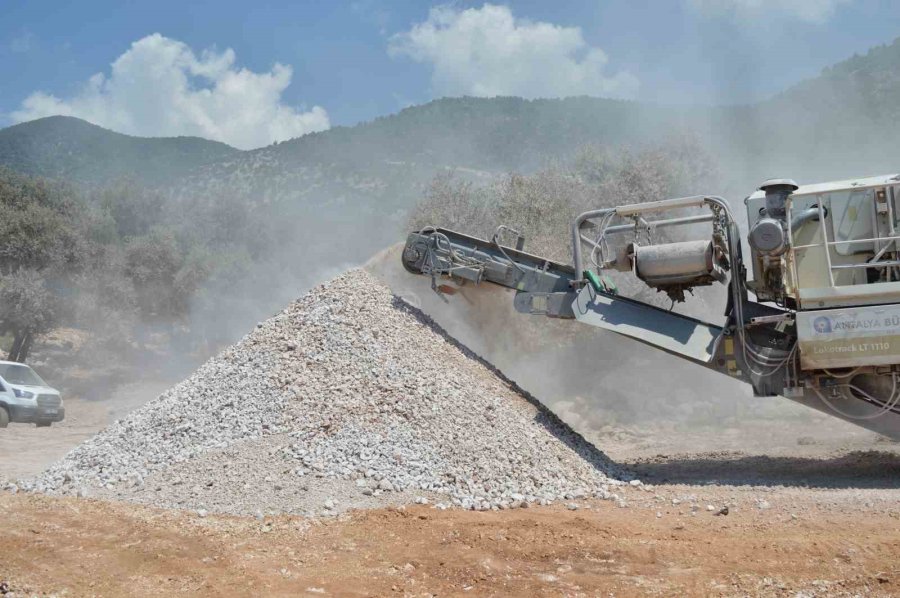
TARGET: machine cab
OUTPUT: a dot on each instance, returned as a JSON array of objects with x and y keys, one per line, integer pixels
[{"x": 837, "y": 264}]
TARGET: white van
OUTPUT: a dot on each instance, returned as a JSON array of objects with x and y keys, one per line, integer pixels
[{"x": 26, "y": 398}]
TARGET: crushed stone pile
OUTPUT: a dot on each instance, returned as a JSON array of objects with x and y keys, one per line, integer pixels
[{"x": 349, "y": 397}]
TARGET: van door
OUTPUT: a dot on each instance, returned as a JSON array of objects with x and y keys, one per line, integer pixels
[{"x": 6, "y": 397}]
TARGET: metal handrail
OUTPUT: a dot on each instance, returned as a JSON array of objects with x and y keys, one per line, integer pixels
[
  {"x": 825, "y": 241},
  {"x": 872, "y": 240},
  {"x": 826, "y": 245},
  {"x": 890, "y": 264},
  {"x": 792, "y": 255}
]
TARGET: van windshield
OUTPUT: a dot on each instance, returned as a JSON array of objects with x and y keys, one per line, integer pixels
[{"x": 20, "y": 374}]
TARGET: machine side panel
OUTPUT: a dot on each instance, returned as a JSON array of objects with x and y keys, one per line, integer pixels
[
  {"x": 671, "y": 332},
  {"x": 849, "y": 337}
]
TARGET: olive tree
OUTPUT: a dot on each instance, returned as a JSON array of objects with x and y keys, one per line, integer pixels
[{"x": 27, "y": 308}]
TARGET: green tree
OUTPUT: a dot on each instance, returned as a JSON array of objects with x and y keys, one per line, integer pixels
[
  {"x": 27, "y": 308},
  {"x": 34, "y": 236},
  {"x": 152, "y": 263}
]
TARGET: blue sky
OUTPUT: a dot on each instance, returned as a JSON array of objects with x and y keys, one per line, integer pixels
[{"x": 345, "y": 62}]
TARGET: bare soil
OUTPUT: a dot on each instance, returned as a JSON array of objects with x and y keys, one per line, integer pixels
[
  {"x": 819, "y": 517},
  {"x": 26, "y": 450},
  {"x": 835, "y": 546}
]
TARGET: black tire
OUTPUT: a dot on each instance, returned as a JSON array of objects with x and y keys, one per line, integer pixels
[
  {"x": 4, "y": 417},
  {"x": 43, "y": 424}
]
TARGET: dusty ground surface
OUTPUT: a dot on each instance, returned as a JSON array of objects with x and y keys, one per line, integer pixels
[
  {"x": 816, "y": 515},
  {"x": 26, "y": 450},
  {"x": 762, "y": 452},
  {"x": 813, "y": 511},
  {"x": 808, "y": 543}
]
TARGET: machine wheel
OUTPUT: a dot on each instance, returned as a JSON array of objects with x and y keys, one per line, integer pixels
[
  {"x": 4, "y": 417},
  {"x": 43, "y": 424}
]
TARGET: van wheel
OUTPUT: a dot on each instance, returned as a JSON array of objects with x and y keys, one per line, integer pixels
[{"x": 4, "y": 417}]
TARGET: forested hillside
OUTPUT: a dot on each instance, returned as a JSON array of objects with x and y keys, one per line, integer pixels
[
  {"x": 147, "y": 273},
  {"x": 138, "y": 271},
  {"x": 841, "y": 123},
  {"x": 78, "y": 152},
  {"x": 179, "y": 244}
]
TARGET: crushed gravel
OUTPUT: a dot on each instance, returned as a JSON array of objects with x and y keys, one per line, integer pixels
[{"x": 348, "y": 398}]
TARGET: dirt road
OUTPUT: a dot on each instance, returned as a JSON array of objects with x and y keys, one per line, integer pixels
[
  {"x": 819, "y": 516},
  {"x": 26, "y": 450},
  {"x": 825, "y": 543},
  {"x": 814, "y": 513}
]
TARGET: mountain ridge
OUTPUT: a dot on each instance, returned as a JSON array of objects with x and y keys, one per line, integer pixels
[
  {"x": 66, "y": 147},
  {"x": 802, "y": 131}
]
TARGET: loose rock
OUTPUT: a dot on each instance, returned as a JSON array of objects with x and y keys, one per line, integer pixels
[{"x": 371, "y": 389}]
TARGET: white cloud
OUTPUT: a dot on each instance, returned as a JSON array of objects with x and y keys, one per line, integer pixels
[
  {"x": 487, "y": 51},
  {"x": 812, "y": 11},
  {"x": 160, "y": 87}
]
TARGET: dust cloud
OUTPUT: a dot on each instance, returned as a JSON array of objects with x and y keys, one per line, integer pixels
[
  {"x": 598, "y": 382},
  {"x": 585, "y": 375}
]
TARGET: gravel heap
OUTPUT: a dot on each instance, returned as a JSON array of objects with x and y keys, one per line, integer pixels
[{"x": 349, "y": 393}]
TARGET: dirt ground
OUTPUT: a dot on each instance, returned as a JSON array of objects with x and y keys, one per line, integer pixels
[
  {"x": 813, "y": 510},
  {"x": 797, "y": 543},
  {"x": 26, "y": 450},
  {"x": 816, "y": 514}
]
